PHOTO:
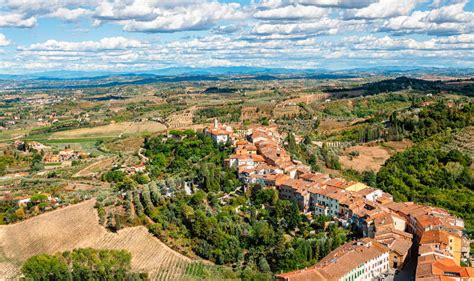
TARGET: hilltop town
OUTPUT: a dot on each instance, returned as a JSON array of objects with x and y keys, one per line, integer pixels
[{"x": 394, "y": 232}]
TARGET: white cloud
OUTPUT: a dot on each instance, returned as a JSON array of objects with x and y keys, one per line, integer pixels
[
  {"x": 383, "y": 9},
  {"x": 111, "y": 43},
  {"x": 4, "y": 41},
  {"x": 16, "y": 20},
  {"x": 450, "y": 13},
  {"x": 291, "y": 12},
  {"x": 322, "y": 26},
  {"x": 70, "y": 14},
  {"x": 167, "y": 16},
  {"x": 446, "y": 20},
  {"x": 227, "y": 29},
  {"x": 24, "y": 13},
  {"x": 345, "y": 4}
]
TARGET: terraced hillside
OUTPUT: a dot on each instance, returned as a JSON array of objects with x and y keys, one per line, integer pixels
[
  {"x": 77, "y": 226},
  {"x": 462, "y": 141}
]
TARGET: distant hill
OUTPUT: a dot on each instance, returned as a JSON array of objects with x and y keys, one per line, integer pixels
[
  {"x": 320, "y": 73},
  {"x": 93, "y": 79},
  {"x": 461, "y": 86}
]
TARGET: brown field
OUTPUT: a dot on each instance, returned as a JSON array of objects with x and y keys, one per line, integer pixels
[
  {"x": 131, "y": 144},
  {"x": 329, "y": 126},
  {"x": 73, "y": 186},
  {"x": 112, "y": 130},
  {"x": 372, "y": 156},
  {"x": 181, "y": 119},
  {"x": 95, "y": 168},
  {"x": 398, "y": 146},
  {"x": 77, "y": 227},
  {"x": 306, "y": 99}
]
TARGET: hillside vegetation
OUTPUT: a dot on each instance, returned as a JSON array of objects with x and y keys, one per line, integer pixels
[
  {"x": 82, "y": 264},
  {"x": 77, "y": 227}
]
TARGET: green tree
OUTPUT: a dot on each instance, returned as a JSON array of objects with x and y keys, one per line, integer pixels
[{"x": 45, "y": 267}]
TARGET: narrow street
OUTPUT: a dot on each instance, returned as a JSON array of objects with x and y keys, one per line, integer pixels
[{"x": 408, "y": 272}]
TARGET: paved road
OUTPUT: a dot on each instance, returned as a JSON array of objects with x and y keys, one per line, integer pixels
[{"x": 408, "y": 272}]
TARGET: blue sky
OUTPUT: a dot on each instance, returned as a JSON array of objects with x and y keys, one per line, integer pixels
[{"x": 134, "y": 35}]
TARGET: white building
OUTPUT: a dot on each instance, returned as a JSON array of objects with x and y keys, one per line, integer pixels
[
  {"x": 220, "y": 133},
  {"x": 361, "y": 260},
  {"x": 370, "y": 193},
  {"x": 325, "y": 200}
]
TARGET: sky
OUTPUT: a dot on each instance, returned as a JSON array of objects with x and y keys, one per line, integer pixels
[{"x": 138, "y": 35}]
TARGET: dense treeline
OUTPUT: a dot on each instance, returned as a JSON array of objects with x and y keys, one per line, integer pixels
[
  {"x": 311, "y": 155},
  {"x": 82, "y": 264},
  {"x": 61, "y": 126},
  {"x": 225, "y": 114},
  {"x": 421, "y": 124},
  {"x": 380, "y": 105},
  {"x": 414, "y": 123},
  {"x": 258, "y": 233},
  {"x": 216, "y": 90},
  {"x": 402, "y": 83},
  {"x": 406, "y": 83},
  {"x": 192, "y": 156},
  {"x": 427, "y": 174}
]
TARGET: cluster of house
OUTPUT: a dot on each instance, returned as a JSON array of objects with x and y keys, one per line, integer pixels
[
  {"x": 23, "y": 201},
  {"x": 64, "y": 155},
  {"x": 392, "y": 230},
  {"x": 31, "y": 145},
  {"x": 133, "y": 169}
]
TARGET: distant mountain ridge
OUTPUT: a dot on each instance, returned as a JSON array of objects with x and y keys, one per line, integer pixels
[{"x": 234, "y": 70}]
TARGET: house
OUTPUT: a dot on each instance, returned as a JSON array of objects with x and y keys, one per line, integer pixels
[
  {"x": 370, "y": 193},
  {"x": 51, "y": 158},
  {"x": 441, "y": 241},
  {"x": 324, "y": 200},
  {"x": 38, "y": 146},
  {"x": 295, "y": 190},
  {"x": 399, "y": 243},
  {"x": 219, "y": 133},
  {"x": 364, "y": 259},
  {"x": 435, "y": 267},
  {"x": 67, "y": 154},
  {"x": 237, "y": 160},
  {"x": 422, "y": 218},
  {"x": 22, "y": 200}
]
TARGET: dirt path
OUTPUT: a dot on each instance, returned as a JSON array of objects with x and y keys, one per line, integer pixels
[{"x": 90, "y": 170}]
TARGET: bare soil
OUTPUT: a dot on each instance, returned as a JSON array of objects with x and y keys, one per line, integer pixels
[
  {"x": 113, "y": 130},
  {"x": 95, "y": 168},
  {"x": 77, "y": 227},
  {"x": 371, "y": 156}
]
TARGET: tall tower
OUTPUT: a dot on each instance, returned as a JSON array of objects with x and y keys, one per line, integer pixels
[{"x": 216, "y": 124}]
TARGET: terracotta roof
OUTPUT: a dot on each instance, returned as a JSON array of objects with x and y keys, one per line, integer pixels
[
  {"x": 435, "y": 236},
  {"x": 350, "y": 256},
  {"x": 395, "y": 241},
  {"x": 434, "y": 266},
  {"x": 309, "y": 274},
  {"x": 314, "y": 177},
  {"x": 366, "y": 191},
  {"x": 340, "y": 261}
]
